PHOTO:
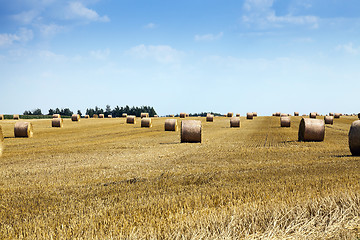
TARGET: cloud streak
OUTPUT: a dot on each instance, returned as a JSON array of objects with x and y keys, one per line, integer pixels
[
  {"x": 208, "y": 37},
  {"x": 23, "y": 35},
  {"x": 159, "y": 53},
  {"x": 76, "y": 10}
]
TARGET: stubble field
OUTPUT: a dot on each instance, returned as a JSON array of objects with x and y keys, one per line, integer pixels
[{"x": 105, "y": 179}]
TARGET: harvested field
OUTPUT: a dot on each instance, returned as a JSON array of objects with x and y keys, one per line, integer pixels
[{"x": 105, "y": 179}]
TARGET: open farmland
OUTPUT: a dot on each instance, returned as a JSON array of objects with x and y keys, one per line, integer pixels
[{"x": 104, "y": 179}]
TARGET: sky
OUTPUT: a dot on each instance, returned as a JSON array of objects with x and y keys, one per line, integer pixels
[{"x": 181, "y": 56}]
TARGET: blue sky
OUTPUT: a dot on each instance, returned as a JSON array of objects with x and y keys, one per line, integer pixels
[{"x": 181, "y": 56}]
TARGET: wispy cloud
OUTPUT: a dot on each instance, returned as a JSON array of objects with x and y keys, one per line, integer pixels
[
  {"x": 208, "y": 37},
  {"x": 160, "y": 53},
  {"x": 262, "y": 14},
  {"x": 348, "y": 48},
  {"x": 100, "y": 54},
  {"x": 76, "y": 10},
  {"x": 48, "y": 30},
  {"x": 150, "y": 26},
  {"x": 23, "y": 35},
  {"x": 26, "y": 17}
]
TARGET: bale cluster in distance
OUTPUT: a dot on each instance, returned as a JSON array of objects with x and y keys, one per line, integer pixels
[
  {"x": 131, "y": 119},
  {"x": 354, "y": 138},
  {"x": 313, "y": 115},
  {"x": 191, "y": 131},
  {"x": 101, "y": 115},
  {"x": 285, "y": 121},
  {"x": 146, "y": 122},
  {"x": 337, "y": 115},
  {"x": 16, "y": 117},
  {"x": 255, "y": 114},
  {"x": 56, "y": 115},
  {"x": 331, "y": 114},
  {"x": 171, "y": 115},
  {"x": 1, "y": 142},
  {"x": 1, "y": 116},
  {"x": 183, "y": 115},
  {"x": 311, "y": 130},
  {"x": 329, "y": 120},
  {"x": 238, "y": 115},
  {"x": 283, "y": 115},
  {"x": 75, "y": 117},
  {"x": 209, "y": 118},
  {"x": 235, "y": 122},
  {"x": 171, "y": 125},
  {"x": 144, "y": 115},
  {"x": 249, "y": 115},
  {"x": 230, "y": 114},
  {"x": 277, "y": 114},
  {"x": 296, "y": 114},
  {"x": 87, "y": 116},
  {"x": 109, "y": 116},
  {"x": 57, "y": 122},
  {"x": 23, "y": 129},
  {"x": 124, "y": 115}
]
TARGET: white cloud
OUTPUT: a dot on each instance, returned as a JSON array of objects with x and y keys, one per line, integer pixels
[
  {"x": 25, "y": 17},
  {"x": 349, "y": 48},
  {"x": 100, "y": 54},
  {"x": 48, "y": 55},
  {"x": 78, "y": 10},
  {"x": 49, "y": 30},
  {"x": 150, "y": 26},
  {"x": 260, "y": 12},
  {"x": 23, "y": 35},
  {"x": 160, "y": 53},
  {"x": 208, "y": 37}
]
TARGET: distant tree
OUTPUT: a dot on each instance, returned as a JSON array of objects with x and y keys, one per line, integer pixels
[
  {"x": 79, "y": 112},
  {"x": 108, "y": 109},
  {"x": 66, "y": 112},
  {"x": 37, "y": 112},
  {"x": 51, "y": 112},
  {"x": 27, "y": 113}
]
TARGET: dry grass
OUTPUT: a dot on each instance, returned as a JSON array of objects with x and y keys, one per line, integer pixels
[{"x": 104, "y": 179}]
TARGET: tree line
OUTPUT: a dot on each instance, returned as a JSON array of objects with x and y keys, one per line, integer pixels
[{"x": 116, "y": 112}]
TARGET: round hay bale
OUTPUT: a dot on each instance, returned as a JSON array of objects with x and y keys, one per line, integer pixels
[
  {"x": 285, "y": 121},
  {"x": 183, "y": 115},
  {"x": 311, "y": 130},
  {"x": 124, "y": 115},
  {"x": 156, "y": 116},
  {"x": 331, "y": 114},
  {"x": 16, "y": 117},
  {"x": 171, "y": 115},
  {"x": 296, "y": 114},
  {"x": 354, "y": 138},
  {"x": 57, "y": 122},
  {"x": 238, "y": 115},
  {"x": 283, "y": 115},
  {"x": 2, "y": 117},
  {"x": 273, "y": 114},
  {"x": 210, "y": 118},
  {"x": 146, "y": 122},
  {"x": 87, "y": 116},
  {"x": 75, "y": 117},
  {"x": 255, "y": 114},
  {"x": 144, "y": 115},
  {"x": 235, "y": 122},
  {"x": 56, "y": 115},
  {"x": 249, "y": 116},
  {"x": 95, "y": 116},
  {"x": 337, "y": 115},
  {"x": 101, "y": 115},
  {"x": 329, "y": 120},
  {"x": 131, "y": 119},
  {"x": 191, "y": 131},
  {"x": 278, "y": 114},
  {"x": 171, "y": 125},
  {"x": 1, "y": 142},
  {"x": 109, "y": 116},
  {"x": 313, "y": 115},
  {"x": 229, "y": 114},
  {"x": 187, "y": 115},
  {"x": 23, "y": 129}
]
